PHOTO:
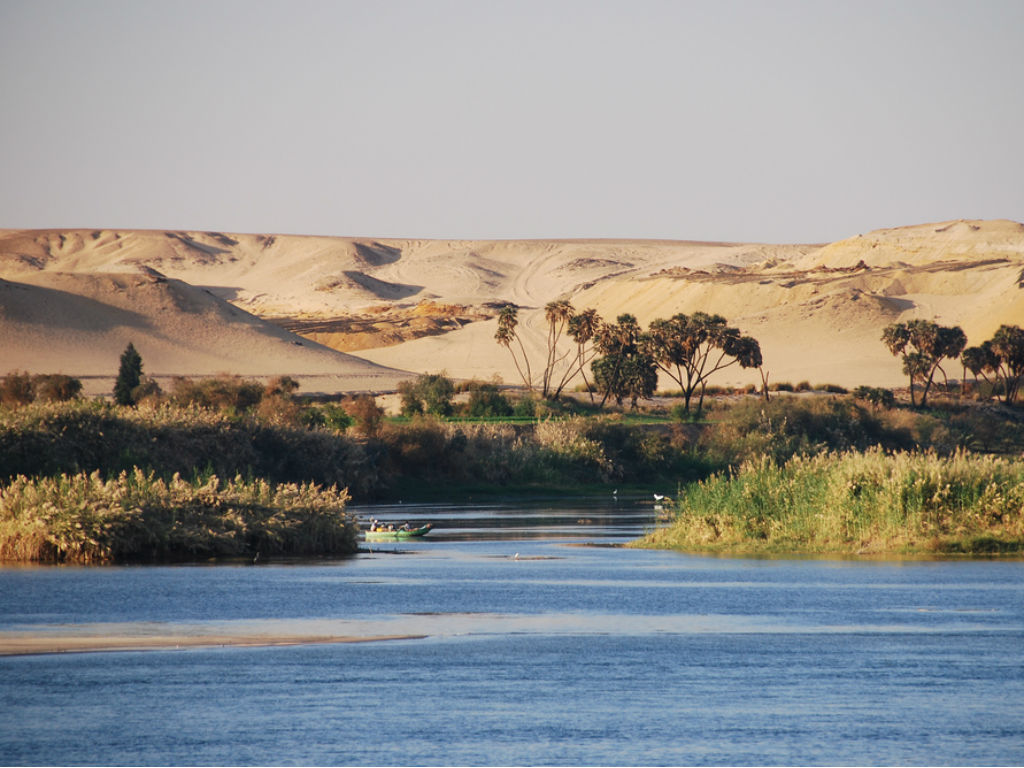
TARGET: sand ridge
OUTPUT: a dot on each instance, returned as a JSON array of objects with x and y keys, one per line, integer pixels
[{"x": 199, "y": 303}]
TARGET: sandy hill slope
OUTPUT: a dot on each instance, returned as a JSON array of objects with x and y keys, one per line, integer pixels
[
  {"x": 79, "y": 322},
  {"x": 71, "y": 299}
]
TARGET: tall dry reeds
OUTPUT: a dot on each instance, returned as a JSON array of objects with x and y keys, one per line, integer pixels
[
  {"x": 856, "y": 502},
  {"x": 84, "y": 518}
]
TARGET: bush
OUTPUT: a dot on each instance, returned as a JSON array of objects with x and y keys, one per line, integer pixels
[
  {"x": 877, "y": 396},
  {"x": 86, "y": 436},
  {"x": 366, "y": 414},
  {"x": 56, "y": 387},
  {"x": 16, "y": 389},
  {"x": 231, "y": 394},
  {"x": 525, "y": 408},
  {"x": 327, "y": 415},
  {"x": 485, "y": 400},
  {"x": 429, "y": 393}
]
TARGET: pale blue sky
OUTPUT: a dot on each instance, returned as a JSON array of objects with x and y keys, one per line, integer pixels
[{"x": 778, "y": 121}]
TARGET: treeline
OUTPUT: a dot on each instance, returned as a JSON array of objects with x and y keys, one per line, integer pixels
[
  {"x": 923, "y": 346},
  {"x": 625, "y": 360}
]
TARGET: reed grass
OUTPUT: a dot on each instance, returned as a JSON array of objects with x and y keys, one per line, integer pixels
[
  {"x": 84, "y": 518},
  {"x": 855, "y": 503}
]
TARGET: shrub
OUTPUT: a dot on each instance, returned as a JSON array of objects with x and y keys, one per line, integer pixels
[
  {"x": 834, "y": 389},
  {"x": 429, "y": 393},
  {"x": 17, "y": 389},
  {"x": 877, "y": 396},
  {"x": 525, "y": 408},
  {"x": 54, "y": 438},
  {"x": 329, "y": 415},
  {"x": 56, "y": 387},
  {"x": 228, "y": 393},
  {"x": 485, "y": 400},
  {"x": 366, "y": 414}
]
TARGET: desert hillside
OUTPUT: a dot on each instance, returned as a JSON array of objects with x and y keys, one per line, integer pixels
[{"x": 197, "y": 303}]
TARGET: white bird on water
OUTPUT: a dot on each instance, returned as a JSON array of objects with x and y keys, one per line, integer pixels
[{"x": 659, "y": 497}]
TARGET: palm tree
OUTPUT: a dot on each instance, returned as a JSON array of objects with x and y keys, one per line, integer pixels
[
  {"x": 508, "y": 320},
  {"x": 558, "y": 314},
  {"x": 583, "y": 329}
]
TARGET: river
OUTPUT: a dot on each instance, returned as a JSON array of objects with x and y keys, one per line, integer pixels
[{"x": 527, "y": 639}]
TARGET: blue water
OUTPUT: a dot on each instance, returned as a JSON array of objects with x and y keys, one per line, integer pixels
[{"x": 536, "y": 650}]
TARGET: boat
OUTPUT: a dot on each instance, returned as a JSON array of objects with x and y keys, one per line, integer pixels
[{"x": 384, "y": 533}]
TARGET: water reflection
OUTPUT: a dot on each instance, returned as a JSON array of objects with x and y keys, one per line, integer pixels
[{"x": 590, "y": 518}]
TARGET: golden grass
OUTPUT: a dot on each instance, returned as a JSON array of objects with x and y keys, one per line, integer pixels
[
  {"x": 856, "y": 503},
  {"x": 84, "y": 518}
]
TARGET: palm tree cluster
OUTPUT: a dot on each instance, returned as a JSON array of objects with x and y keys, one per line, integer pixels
[
  {"x": 625, "y": 359},
  {"x": 924, "y": 344}
]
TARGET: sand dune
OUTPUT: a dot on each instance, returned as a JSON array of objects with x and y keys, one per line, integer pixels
[{"x": 197, "y": 303}]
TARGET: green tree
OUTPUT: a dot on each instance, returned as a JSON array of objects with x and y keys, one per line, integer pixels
[
  {"x": 980, "y": 362},
  {"x": 625, "y": 368},
  {"x": 924, "y": 345},
  {"x": 507, "y": 335},
  {"x": 583, "y": 328},
  {"x": 690, "y": 349},
  {"x": 128, "y": 376},
  {"x": 1003, "y": 357},
  {"x": 558, "y": 314},
  {"x": 430, "y": 393}
]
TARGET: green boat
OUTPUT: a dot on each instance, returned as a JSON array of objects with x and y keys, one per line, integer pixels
[{"x": 383, "y": 533}]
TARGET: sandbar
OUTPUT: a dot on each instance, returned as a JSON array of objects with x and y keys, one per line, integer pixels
[{"x": 25, "y": 644}]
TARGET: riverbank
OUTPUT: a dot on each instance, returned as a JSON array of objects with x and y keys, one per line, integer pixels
[
  {"x": 69, "y": 470},
  {"x": 855, "y": 503}
]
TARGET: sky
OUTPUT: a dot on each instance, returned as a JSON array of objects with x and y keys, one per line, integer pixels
[{"x": 782, "y": 122}]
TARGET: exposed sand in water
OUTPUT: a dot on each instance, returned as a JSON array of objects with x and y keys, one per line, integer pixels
[{"x": 18, "y": 644}]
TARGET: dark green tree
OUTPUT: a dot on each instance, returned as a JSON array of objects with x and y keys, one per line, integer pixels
[
  {"x": 558, "y": 314},
  {"x": 1002, "y": 356},
  {"x": 625, "y": 368},
  {"x": 924, "y": 345},
  {"x": 689, "y": 349},
  {"x": 128, "y": 376},
  {"x": 430, "y": 393},
  {"x": 583, "y": 328},
  {"x": 507, "y": 335}
]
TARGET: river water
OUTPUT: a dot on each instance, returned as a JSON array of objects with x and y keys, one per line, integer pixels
[{"x": 536, "y": 643}]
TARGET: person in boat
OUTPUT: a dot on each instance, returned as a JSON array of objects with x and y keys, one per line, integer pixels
[{"x": 406, "y": 526}]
